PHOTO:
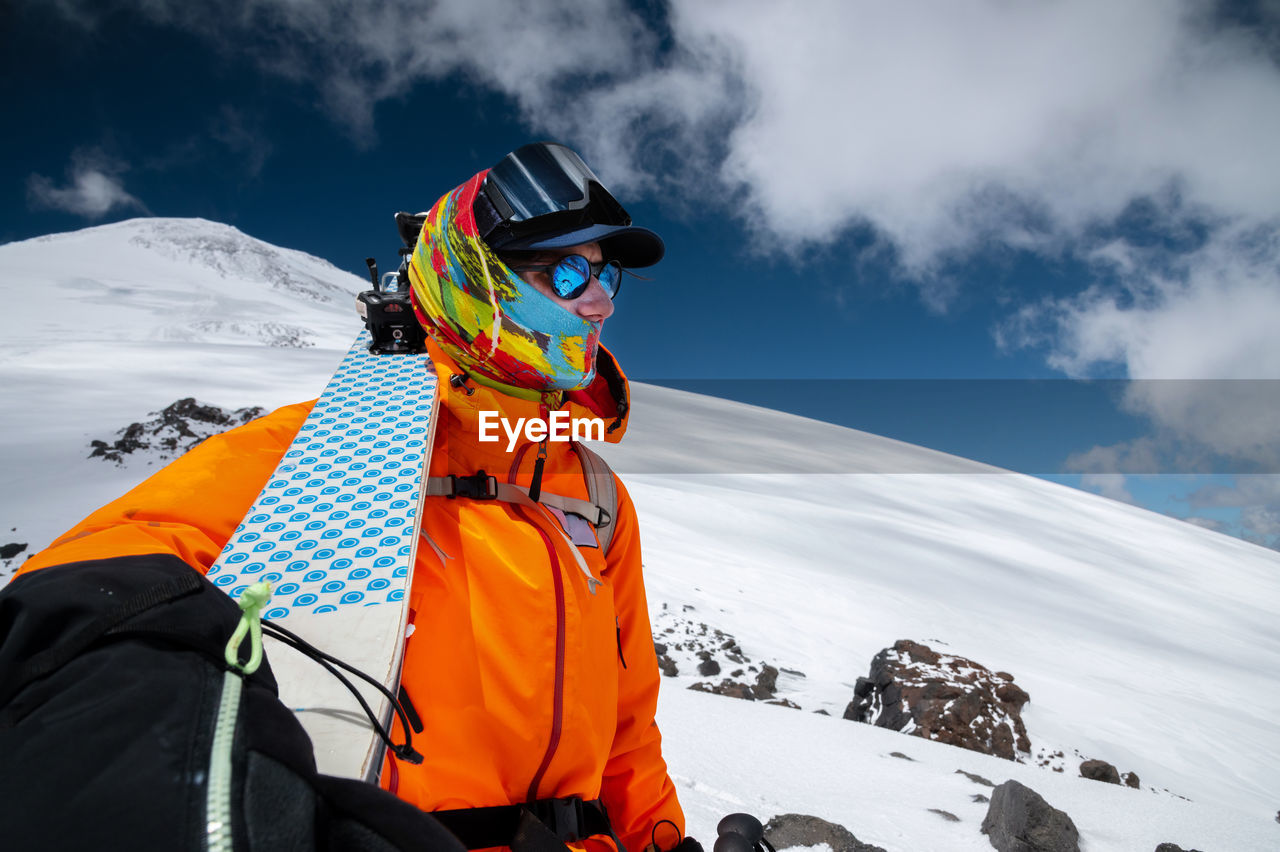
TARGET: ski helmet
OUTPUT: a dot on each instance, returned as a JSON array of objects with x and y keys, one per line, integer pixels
[{"x": 484, "y": 315}]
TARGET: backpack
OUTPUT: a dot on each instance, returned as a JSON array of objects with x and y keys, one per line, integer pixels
[{"x": 122, "y": 726}]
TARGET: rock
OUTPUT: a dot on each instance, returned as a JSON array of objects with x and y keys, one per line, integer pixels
[
  {"x": 172, "y": 431},
  {"x": 707, "y": 668},
  {"x": 902, "y": 756},
  {"x": 792, "y": 672},
  {"x": 12, "y": 549},
  {"x": 977, "y": 779},
  {"x": 1131, "y": 780},
  {"x": 1173, "y": 847},
  {"x": 1019, "y": 820},
  {"x": 979, "y": 798},
  {"x": 788, "y": 830},
  {"x": 668, "y": 666},
  {"x": 947, "y": 815},
  {"x": 1099, "y": 770},
  {"x": 784, "y": 702},
  {"x": 913, "y": 689},
  {"x": 659, "y": 648},
  {"x": 727, "y": 688},
  {"x": 766, "y": 683},
  {"x": 825, "y": 713}
]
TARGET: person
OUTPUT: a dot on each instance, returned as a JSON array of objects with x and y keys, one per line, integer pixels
[{"x": 534, "y": 682}]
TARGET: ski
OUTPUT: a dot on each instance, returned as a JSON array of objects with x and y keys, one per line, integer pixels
[{"x": 335, "y": 531}]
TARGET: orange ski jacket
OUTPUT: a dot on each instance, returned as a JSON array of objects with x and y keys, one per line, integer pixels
[{"x": 530, "y": 685}]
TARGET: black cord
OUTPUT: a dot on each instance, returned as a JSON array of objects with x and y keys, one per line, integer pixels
[
  {"x": 653, "y": 834},
  {"x": 404, "y": 752}
]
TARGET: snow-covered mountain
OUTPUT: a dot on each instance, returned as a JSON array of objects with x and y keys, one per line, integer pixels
[{"x": 1141, "y": 640}]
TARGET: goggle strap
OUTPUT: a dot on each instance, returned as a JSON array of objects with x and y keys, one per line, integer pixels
[{"x": 488, "y": 217}]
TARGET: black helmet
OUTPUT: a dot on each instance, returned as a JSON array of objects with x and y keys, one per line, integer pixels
[{"x": 543, "y": 196}]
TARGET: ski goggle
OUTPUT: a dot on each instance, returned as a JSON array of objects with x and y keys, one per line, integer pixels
[
  {"x": 540, "y": 188},
  {"x": 571, "y": 275}
]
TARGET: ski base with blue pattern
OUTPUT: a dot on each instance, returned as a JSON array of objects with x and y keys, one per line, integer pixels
[{"x": 335, "y": 532}]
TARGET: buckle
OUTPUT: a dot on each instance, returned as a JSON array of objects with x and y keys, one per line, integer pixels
[
  {"x": 477, "y": 486},
  {"x": 563, "y": 816}
]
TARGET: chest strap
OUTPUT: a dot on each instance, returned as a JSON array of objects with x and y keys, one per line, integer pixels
[
  {"x": 568, "y": 821},
  {"x": 481, "y": 486}
]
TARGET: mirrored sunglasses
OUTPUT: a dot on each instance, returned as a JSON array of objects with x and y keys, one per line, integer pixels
[{"x": 572, "y": 274}]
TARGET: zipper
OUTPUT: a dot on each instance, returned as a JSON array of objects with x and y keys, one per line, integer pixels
[
  {"x": 557, "y": 711},
  {"x": 218, "y": 837},
  {"x": 535, "y": 485}
]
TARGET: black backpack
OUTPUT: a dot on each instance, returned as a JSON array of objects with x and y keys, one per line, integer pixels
[{"x": 123, "y": 727}]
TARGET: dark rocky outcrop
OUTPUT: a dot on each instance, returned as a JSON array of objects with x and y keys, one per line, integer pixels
[
  {"x": 977, "y": 779},
  {"x": 683, "y": 643},
  {"x": 726, "y": 687},
  {"x": 788, "y": 830},
  {"x": 947, "y": 815},
  {"x": 1019, "y": 820},
  {"x": 12, "y": 549},
  {"x": 766, "y": 686},
  {"x": 1131, "y": 779},
  {"x": 1100, "y": 770},
  {"x": 940, "y": 697},
  {"x": 1173, "y": 847},
  {"x": 172, "y": 431}
]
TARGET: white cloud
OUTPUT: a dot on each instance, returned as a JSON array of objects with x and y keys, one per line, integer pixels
[
  {"x": 1257, "y": 497},
  {"x": 1110, "y": 485},
  {"x": 947, "y": 127},
  {"x": 1197, "y": 332},
  {"x": 1206, "y": 523},
  {"x": 1101, "y": 465},
  {"x": 93, "y": 190},
  {"x": 944, "y": 125}
]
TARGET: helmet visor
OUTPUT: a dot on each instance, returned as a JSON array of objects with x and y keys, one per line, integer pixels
[
  {"x": 539, "y": 179},
  {"x": 543, "y": 189}
]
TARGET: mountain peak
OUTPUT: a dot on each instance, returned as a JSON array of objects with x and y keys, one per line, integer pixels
[{"x": 189, "y": 280}]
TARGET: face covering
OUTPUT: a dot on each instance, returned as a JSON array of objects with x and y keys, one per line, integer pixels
[{"x": 484, "y": 316}]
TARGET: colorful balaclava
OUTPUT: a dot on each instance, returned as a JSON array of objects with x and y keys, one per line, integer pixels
[{"x": 484, "y": 316}]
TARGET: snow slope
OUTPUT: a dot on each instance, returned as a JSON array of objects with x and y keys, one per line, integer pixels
[{"x": 1142, "y": 640}]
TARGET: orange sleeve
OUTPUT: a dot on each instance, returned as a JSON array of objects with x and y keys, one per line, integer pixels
[
  {"x": 636, "y": 788},
  {"x": 191, "y": 506}
]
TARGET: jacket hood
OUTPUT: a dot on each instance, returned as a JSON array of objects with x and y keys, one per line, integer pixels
[{"x": 608, "y": 397}]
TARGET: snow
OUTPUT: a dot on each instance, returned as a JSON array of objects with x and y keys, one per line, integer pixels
[{"x": 1143, "y": 641}]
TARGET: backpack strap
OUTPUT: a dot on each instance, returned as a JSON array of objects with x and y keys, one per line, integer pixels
[
  {"x": 599, "y": 509},
  {"x": 602, "y": 490},
  {"x": 482, "y": 486}
]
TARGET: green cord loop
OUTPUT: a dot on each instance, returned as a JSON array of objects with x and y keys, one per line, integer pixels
[{"x": 251, "y": 603}]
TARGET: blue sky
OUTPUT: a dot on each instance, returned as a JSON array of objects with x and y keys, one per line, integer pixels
[{"x": 917, "y": 219}]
